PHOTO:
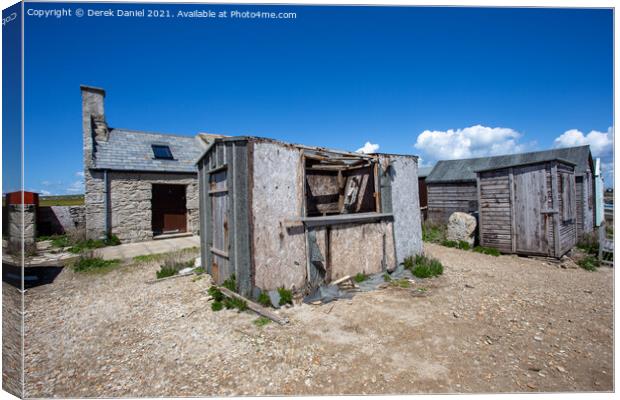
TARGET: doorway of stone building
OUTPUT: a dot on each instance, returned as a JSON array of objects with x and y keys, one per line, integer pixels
[{"x": 169, "y": 211}]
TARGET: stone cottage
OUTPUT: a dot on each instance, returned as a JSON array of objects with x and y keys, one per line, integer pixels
[{"x": 138, "y": 185}]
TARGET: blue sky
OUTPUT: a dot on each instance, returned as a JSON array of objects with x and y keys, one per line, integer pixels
[{"x": 436, "y": 82}]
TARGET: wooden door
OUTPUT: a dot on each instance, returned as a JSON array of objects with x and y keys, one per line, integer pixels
[
  {"x": 168, "y": 208},
  {"x": 531, "y": 216},
  {"x": 218, "y": 193}
]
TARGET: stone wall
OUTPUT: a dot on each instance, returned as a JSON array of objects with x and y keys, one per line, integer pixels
[
  {"x": 130, "y": 195},
  {"x": 19, "y": 226},
  {"x": 94, "y": 204},
  {"x": 59, "y": 219}
]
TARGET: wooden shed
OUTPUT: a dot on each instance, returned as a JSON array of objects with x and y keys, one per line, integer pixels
[
  {"x": 277, "y": 214},
  {"x": 452, "y": 184},
  {"x": 528, "y": 208},
  {"x": 423, "y": 193}
]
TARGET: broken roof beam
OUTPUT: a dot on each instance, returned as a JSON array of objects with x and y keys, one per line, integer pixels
[
  {"x": 345, "y": 218},
  {"x": 325, "y": 151}
]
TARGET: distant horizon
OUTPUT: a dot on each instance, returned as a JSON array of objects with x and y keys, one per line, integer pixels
[{"x": 436, "y": 82}]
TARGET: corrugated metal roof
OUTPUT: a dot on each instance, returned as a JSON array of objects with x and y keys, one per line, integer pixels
[
  {"x": 465, "y": 170},
  {"x": 128, "y": 150}
]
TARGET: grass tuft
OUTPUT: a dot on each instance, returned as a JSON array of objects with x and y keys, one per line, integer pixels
[
  {"x": 231, "y": 303},
  {"x": 215, "y": 293},
  {"x": 262, "y": 321},
  {"x": 148, "y": 258},
  {"x": 360, "y": 277},
  {"x": 423, "y": 267},
  {"x": 589, "y": 263},
  {"x": 433, "y": 233},
  {"x": 94, "y": 264},
  {"x": 588, "y": 242},
  {"x": 220, "y": 301},
  {"x": 487, "y": 250},
  {"x": 402, "y": 283},
  {"x": 386, "y": 277},
  {"x": 264, "y": 300},
  {"x": 461, "y": 244},
  {"x": 286, "y": 296},
  {"x": 173, "y": 263},
  {"x": 166, "y": 271},
  {"x": 231, "y": 283}
]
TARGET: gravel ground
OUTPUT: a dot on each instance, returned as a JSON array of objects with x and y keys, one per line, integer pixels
[
  {"x": 11, "y": 339},
  {"x": 489, "y": 324}
]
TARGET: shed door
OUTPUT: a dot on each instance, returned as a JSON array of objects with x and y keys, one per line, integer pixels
[
  {"x": 218, "y": 193},
  {"x": 531, "y": 213}
]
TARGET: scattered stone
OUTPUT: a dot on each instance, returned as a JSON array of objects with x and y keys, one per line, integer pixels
[{"x": 538, "y": 338}]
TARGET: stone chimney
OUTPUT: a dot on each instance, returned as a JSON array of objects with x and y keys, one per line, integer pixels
[{"x": 94, "y": 125}]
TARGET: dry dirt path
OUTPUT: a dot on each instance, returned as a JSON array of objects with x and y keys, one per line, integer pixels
[{"x": 489, "y": 324}]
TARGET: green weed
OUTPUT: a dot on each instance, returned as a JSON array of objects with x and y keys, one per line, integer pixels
[
  {"x": 231, "y": 283},
  {"x": 165, "y": 272},
  {"x": 424, "y": 267},
  {"x": 88, "y": 264},
  {"x": 487, "y": 250},
  {"x": 262, "y": 321},
  {"x": 148, "y": 258},
  {"x": 360, "y": 277},
  {"x": 286, "y": 296},
  {"x": 216, "y": 293},
  {"x": 589, "y": 263},
  {"x": 588, "y": 242},
  {"x": 402, "y": 283},
  {"x": 264, "y": 300},
  {"x": 433, "y": 233}
]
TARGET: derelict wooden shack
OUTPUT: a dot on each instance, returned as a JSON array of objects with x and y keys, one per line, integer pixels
[
  {"x": 282, "y": 215},
  {"x": 528, "y": 208},
  {"x": 452, "y": 184}
]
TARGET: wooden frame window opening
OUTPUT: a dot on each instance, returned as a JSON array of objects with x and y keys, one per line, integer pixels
[{"x": 340, "y": 185}]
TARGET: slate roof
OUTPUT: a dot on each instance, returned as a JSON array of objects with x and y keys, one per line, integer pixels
[
  {"x": 424, "y": 172},
  {"x": 465, "y": 170},
  {"x": 128, "y": 150}
]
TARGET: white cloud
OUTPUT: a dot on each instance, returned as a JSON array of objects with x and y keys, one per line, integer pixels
[
  {"x": 474, "y": 141},
  {"x": 368, "y": 148},
  {"x": 80, "y": 174},
  {"x": 45, "y": 192},
  {"x": 76, "y": 187},
  {"x": 601, "y": 143}
]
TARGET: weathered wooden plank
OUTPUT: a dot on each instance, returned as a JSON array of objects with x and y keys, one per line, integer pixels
[{"x": 257, "y": 308}]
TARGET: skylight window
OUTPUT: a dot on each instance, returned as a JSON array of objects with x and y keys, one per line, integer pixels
[{"x": 162, "y": 152}]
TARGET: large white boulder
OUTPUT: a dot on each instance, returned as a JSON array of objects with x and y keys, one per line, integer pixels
[{"x": 461, "y": 226}]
